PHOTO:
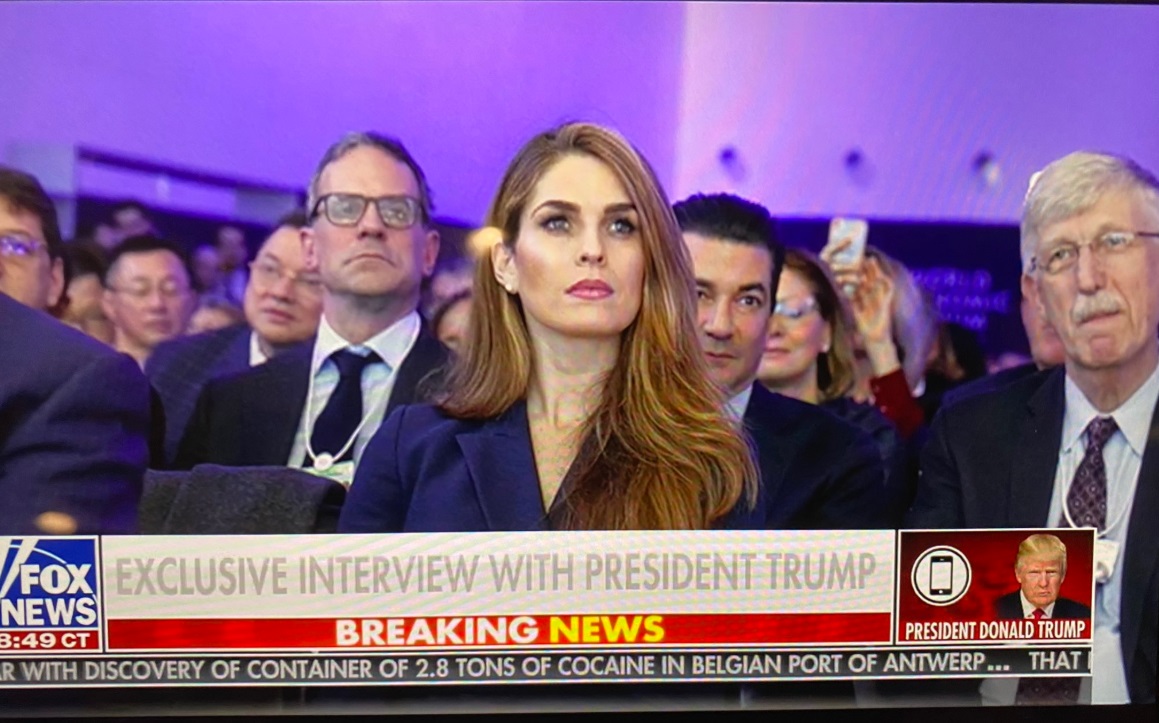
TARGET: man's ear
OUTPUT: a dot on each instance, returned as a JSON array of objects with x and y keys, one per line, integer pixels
[
  {"x": 1029, "y": 286},
  {"x": 56, "y": 283},
  {"x": 309, "y": 248},
  {"x": 503, "y": 261},
  {"x": 431, "y": 243},
  {"x": 108, "y": 306}
]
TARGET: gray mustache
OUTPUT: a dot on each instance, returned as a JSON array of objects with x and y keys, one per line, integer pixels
[{"x": 1090, "y": 306}]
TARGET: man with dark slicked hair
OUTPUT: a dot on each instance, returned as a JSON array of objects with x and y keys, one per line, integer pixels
[{"x": 819, "y": 471}]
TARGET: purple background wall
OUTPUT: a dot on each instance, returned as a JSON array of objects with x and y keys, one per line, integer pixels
[
  {"x": 920, "y": 89},
  {"x": 259, "y": 89}
]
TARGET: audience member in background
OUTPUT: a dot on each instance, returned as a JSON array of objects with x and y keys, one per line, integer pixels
[
  {"x": 213, "y": 313},
  {"x": 283, "y": 302},
  {"x": 32, "y": 267},
  {"x": 1046, "y": 352},
  {"x": 371, "y": 242},
  {"x": 75, "y": 420},
  {"x": 147, "y": 294},
  {"x": 85, "y": 311},
  {"x": 1075, "y": 446},
  {"x": 817, "y": 471},
  {"x": 809, "y": 355},
  {"x": 582, "y": 400},
  {"x": 233, "y": 255},
  {"x": 450, "y": 321},
  {"x": 956, "y": 359},
  {"x": 207, "y": 277},
  {"x": 106, "y": 236},
  {"x": 451, "y": 277},
  {"x": 131, "y": 218},
  {"x": 897, "y": 329}
]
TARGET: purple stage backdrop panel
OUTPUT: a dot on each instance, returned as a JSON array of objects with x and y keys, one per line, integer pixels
[
  {"x": 260, "y": 89},
  {"x": 920, "y": 90}
]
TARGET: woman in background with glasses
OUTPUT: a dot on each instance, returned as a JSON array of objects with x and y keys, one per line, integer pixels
[{"x": 810, "y": 355}]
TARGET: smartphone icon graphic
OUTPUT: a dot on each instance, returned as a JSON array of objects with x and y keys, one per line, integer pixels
[{"x": 941, "y": 575}]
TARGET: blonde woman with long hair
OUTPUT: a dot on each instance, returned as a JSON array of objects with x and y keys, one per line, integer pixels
[{"x": 581, "y": 399}]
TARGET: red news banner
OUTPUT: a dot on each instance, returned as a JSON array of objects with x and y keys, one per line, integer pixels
[
  {"x": 485, "y": 591},
  {"x": 983, "y": 586}
]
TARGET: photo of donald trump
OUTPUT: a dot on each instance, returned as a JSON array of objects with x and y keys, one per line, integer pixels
[{"x": 1040, "y": 569}]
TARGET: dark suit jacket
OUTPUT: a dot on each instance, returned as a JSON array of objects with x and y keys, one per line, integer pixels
[
  {"x": 988, "y": 383},
  {"x": 178, "y": 369},
  {"x": 250, "y": 418},
  {"x": 74, "y": 425},
  {"x": 427, "y": 472},
  {"x": 991, "y": 463},
  {"x": 1009, "y": 607},
  {"x": 817, "y": 471}
]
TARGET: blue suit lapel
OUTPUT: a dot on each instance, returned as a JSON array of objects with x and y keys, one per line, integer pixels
[
  {"x": 502, "y": 468},
  {"x": 236, "y": 356}
]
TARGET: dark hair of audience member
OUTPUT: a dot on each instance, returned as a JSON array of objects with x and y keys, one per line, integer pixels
[
  {"x": 128, "y": 204},
  {"x": 82, "y": 258},
  {"x": 446, "y": 305},
  {"x": 658, "y": 452},
  {"x": 729, "y": 217},
  {"x": 836, "y": 368},
  {"x": 24, "y": 192},
  {"x": 293, "y": 219},
  {"x": 145, "y": 244}
]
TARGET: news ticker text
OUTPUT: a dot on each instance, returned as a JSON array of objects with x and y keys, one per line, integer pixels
[{"x": 545, "y": 667}]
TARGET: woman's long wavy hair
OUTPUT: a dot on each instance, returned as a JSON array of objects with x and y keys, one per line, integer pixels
[
  {"x": 836, "y": 368},
  {"x": 659, "y": 451}
]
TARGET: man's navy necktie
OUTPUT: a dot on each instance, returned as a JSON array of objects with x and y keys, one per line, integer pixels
[{"x": 343, "y": 411}]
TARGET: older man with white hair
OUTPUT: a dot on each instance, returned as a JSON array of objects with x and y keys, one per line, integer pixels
[{"x": 1072, "y": 447}]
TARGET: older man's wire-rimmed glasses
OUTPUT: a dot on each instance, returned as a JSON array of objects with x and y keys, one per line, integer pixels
[{"x": 1064, "y": 255}]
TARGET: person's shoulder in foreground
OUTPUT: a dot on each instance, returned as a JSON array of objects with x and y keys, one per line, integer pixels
[
  {"x": 973, "y": 445},
  {"x": 75, "y": 421},
  {"x": 812, "y": 460},
  {"x": 420, "y": 445}
]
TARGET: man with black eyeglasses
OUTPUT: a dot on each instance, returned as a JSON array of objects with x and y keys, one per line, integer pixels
[
  {"x": 371, "y": 242},
  {"x": 282, "y": 300}
]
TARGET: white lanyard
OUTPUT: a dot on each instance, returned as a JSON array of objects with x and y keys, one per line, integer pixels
[{"x": 324, "y": 461}]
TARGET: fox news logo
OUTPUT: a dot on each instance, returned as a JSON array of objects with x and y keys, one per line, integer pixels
[{"x": 48, "y": 583}]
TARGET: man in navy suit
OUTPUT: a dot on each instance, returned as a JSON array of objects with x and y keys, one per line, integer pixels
[
  {"x": 817, "y": 471},
  {"x": 1040, "y": 569},
  {"x": 1075, "y": 446},
  {"x": 282, "y": 302},
  {"x": 74, "y": 423},
  {"x": 371, "y": 240}
]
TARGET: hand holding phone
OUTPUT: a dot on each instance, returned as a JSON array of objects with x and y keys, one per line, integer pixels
[{"x": 845, "y": 250}]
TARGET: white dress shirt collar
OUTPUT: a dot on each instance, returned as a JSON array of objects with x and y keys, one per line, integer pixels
[
  {"x": 257, "y": 356},
  {"x": 1028, "y": 607},
  {"x": 1133, "y": 417},
  {"x": 392, "y": 343},
  {"x": 739, "y": 403}
]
